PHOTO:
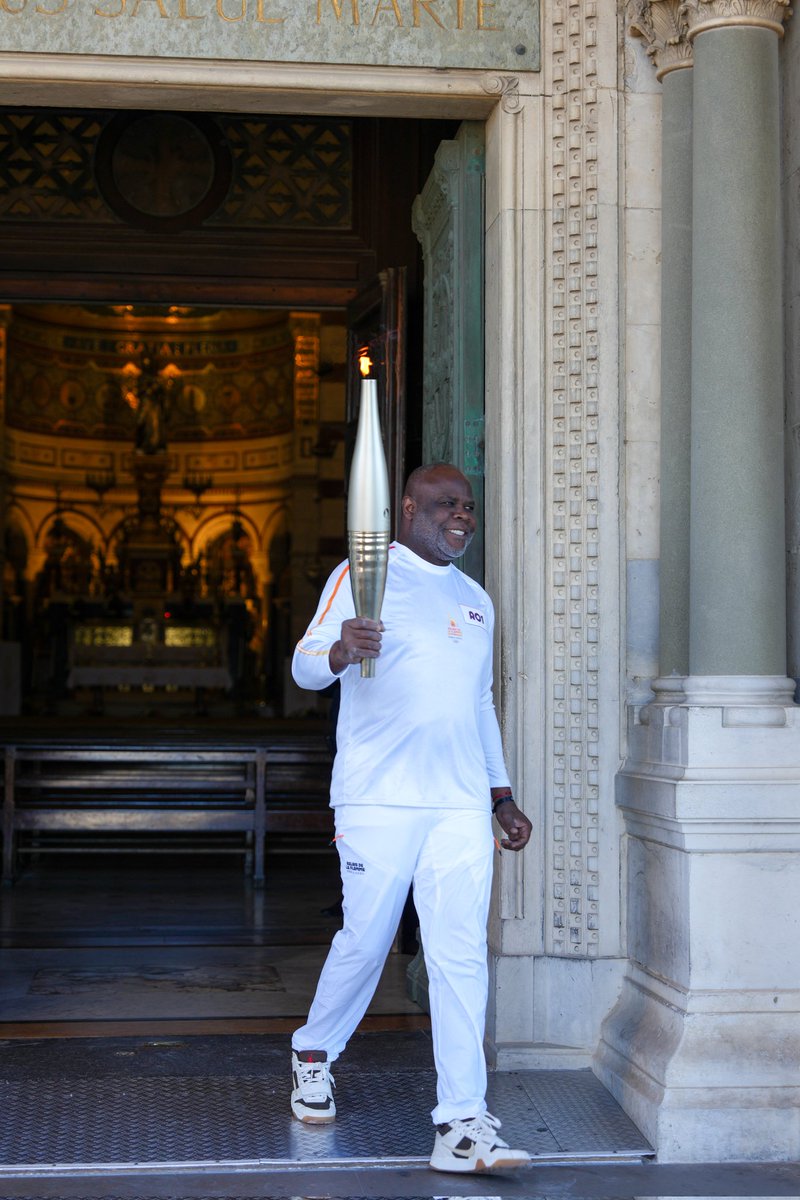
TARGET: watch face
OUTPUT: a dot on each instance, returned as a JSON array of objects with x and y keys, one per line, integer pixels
[{"x": 164, "y": 172}]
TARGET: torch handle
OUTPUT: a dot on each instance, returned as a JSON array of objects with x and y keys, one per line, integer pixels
[{"x": 369, "y": 555}]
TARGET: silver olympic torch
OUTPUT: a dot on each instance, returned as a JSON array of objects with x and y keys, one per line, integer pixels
[{"x": 368, "y": 511}]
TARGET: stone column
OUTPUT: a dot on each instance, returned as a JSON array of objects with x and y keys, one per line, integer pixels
[
  {"x": 664, "y": 29},
  {"x": 702, "y": 1047},
  {"x": 676, "y": 268},
  {"x": 738, "y": 574},
  {"x": 790, "y": 86}
]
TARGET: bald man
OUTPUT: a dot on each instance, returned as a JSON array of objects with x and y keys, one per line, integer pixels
[{"x": 419, "y": 771}]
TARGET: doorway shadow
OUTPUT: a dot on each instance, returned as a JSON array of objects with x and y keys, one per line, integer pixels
[{"x": 172, "y": 940}]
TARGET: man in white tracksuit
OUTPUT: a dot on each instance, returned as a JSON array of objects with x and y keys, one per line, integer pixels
[{"x": 418, "y": 772}]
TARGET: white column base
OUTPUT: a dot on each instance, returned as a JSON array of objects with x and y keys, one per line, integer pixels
[
  {"x": 549, "y": 1010},
  {"x": 536, "y": 1056},
  {"x": 707, "y": 1077},
  {"x": 702, "y": 1049}
]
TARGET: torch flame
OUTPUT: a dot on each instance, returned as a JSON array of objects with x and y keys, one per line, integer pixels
[{"x": 364, "y": 362}]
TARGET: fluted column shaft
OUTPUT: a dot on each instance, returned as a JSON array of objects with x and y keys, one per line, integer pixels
[{"x": 737, "y": 589}]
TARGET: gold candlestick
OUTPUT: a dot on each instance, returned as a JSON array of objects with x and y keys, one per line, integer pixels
[{"x": 368, "y": 511}]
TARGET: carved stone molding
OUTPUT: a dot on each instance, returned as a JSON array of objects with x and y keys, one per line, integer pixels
[
  {"x": 663, "y": 25},
  {"x": 506, "y": 87},
  {"x": 573, "y": 905},
  {"x": 702, "y": 15}
]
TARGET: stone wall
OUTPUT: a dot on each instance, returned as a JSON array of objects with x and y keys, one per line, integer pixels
[{"x": 557, "y": 932}]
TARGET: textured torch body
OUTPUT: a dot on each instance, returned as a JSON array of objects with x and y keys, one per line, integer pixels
[{"x": 368, "y": 514}]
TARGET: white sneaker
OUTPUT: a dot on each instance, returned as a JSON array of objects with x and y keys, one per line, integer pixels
[
  {"x": 473, "y": 1145},
  {"x": 312, "y": 1088}
]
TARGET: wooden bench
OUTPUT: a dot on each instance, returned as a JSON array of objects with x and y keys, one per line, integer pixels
[{"x": 132, "y": 788}]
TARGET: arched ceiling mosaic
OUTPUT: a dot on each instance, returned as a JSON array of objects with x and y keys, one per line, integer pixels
[{"x": 73, "y": 370}]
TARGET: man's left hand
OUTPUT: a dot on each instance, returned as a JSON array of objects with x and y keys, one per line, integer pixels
[{"x": 515, "y": 824}]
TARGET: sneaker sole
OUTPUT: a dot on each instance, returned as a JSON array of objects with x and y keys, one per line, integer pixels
[
  {"x": 308, "y": 1120},
  {"x": 479, "y": 1167}
]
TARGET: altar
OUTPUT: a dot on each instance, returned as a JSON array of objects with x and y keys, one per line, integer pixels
[
  {"x": 146, "y": 628},
  {"x": 151, "y": 656}
]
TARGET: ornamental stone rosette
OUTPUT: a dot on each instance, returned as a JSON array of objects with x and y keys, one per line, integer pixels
[
  {"x": 719, "y": 14},
  {"x": 663, "y": 26}
]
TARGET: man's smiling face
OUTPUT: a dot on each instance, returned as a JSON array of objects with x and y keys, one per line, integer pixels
[{"x": 439, "y": 516}]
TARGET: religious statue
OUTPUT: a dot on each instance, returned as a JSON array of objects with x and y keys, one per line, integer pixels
[{"x": 151, "y": 392}]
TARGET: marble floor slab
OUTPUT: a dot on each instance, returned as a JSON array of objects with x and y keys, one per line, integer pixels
[
  {"x": 174, "y": 983},
  {"x": 117, "y": 899},
  {"x": 172, "y": 940}
]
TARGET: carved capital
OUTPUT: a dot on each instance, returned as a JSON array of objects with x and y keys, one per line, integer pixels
[
  {"x": 507, "y": 88},
  {"x": 664, "y": 27},
  {"x": 721, "y": 14}
]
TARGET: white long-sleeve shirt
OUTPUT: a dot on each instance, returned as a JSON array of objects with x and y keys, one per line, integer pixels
[{"x": 424, "y": 731}]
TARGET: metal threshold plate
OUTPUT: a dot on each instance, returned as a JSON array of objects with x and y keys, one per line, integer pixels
[
  {"x": 203, "y": 1104},
  {"x": 276, "y": 1165}
]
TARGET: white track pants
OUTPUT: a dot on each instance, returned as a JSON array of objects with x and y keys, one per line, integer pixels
[{"x": 449, "y": 857}]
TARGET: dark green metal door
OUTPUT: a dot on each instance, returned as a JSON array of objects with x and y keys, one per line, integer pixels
[{"x": 448, "y": 220}]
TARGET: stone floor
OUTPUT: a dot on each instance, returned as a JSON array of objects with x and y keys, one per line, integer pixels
[
  {"x": 174, "y": 983},
  {"x": 176, "y": 941}
]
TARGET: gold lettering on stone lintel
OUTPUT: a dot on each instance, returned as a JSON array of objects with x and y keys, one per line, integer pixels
[
  {"x": 448, "y": 15},
  {"x": 482, "y": 6},
  {"x": 386, "y": 6},
  {"x": 159, "y": 3},
  {"x": 338, "y": 7},
  {"x": 422, "y": 13},
  {"x": 426, "y": 4},
  {"x": 223, "y": 15},
  {"x": 264, "y": 20},
  {"x": 118, "y": 8}
]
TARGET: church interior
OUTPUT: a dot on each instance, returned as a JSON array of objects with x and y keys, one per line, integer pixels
[
  {"x": 153, "y": 528},
  {"x": 183, "y": 299}
]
